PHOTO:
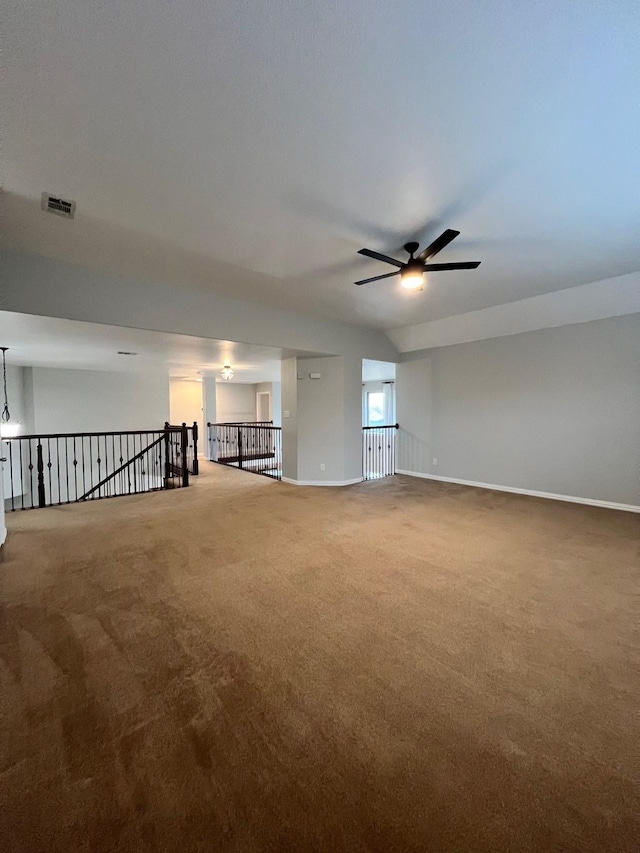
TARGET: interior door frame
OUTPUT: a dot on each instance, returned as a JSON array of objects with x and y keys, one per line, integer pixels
[{"x": 266, "y": 394}]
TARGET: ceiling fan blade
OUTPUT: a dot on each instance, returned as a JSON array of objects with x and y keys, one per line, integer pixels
[
  {"x": 438, "y": 244},
  {"x": 377, "y": 277},
  {"x": 464, "y": 265},
  {"x": 371, "y": 254}
]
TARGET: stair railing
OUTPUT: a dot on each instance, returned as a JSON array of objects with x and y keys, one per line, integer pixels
[
  {"x": 379, "y": 451},
  {"x": 192, "y": 444},
  {"x": 60, "y": 468},
  {"x": 254, "y": 446}
]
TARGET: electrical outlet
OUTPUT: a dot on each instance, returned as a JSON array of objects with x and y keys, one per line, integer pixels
[
  {"x": 322, "y": 467},
  {"x": 435, "y": 462}
]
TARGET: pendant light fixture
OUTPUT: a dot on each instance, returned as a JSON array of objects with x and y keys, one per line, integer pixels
[
  {"x": 226, "y": 372},
  {"x": 6, "y": 414},
  {"x": 7, "y": 429}
]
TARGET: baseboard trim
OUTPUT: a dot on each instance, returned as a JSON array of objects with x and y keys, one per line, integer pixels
[
  {"x": 529, "y": 492},
  {"x": 321, "y": 482}
]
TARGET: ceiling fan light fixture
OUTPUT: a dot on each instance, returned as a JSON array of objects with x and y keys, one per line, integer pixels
[
  {"x": 412, "y": 278},
  {"x": 226, "y": 372}
]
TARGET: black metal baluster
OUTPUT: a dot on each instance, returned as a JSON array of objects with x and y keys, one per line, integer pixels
[
  {"x": 22, "y": 482},
  {"x": 10, "y": 449},
  {"x": 114, "y": 467},
  {"x": 75, "y": 468},
  {"x": 42, "y": 500},
  {"x": 66, "y": 464},
  {"x": 183, "y": 448},
  {"x": 49, "y": 467},
  {"x": 84, "y": 466},
  {"x": 121, "y": 460},
  {"x": 99, "y": 456},
  {"x": 58, "y": 466}
]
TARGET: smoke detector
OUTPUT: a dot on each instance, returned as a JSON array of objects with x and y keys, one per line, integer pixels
[{"x": 59, "y": 206}]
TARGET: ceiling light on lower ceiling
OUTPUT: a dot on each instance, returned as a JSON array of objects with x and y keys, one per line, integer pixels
[
  {"x": 226, "y": 372},
  {"x": 126, "y": 352}
]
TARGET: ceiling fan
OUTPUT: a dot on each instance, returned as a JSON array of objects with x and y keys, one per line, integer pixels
[{"x": 412, "y": 272}]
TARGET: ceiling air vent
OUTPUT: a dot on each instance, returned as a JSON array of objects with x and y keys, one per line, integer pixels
[{"x": 59, "y": 206}]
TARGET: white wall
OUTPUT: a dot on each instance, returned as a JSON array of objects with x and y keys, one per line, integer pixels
[
  {"x": 555, "y": 410},
  {"x": 186, "y": 405},
  {"x": 97, "y": 401},
  {"x": 235, "y": 402}
]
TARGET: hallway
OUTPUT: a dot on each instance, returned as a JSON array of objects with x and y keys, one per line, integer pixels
[{"x": 246, "y": 665}]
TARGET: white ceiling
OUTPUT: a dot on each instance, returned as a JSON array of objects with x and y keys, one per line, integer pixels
[
  {"x": 252, "y": 148},
  {"x": 50, "y": 342}
]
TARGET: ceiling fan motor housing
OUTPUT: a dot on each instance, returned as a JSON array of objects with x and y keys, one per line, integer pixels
[{"x": 414, "y": 266}]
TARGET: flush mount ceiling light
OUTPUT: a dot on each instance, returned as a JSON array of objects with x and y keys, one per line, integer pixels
[
  {"x": 412, "y": 272},
  {"x": 226, "y": 372}
]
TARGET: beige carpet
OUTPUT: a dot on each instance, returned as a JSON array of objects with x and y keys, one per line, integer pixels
[{"x": 251, "y": 666}]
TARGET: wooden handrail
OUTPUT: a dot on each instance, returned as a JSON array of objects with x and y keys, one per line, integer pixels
[
  {"x": 86, "y": 434},
  {"x": 383, "y": 426}
]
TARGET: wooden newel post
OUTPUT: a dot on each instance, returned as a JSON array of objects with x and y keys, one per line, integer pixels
[
  {"x": 184, "y": 441},
  {"x": 239, "y": 447},
  {"x": 195, "y": 468},
  {"x": 167, "y": 455}
]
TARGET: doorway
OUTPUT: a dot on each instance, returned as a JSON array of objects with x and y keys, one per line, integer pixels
[{"x": 263, "y": 406}]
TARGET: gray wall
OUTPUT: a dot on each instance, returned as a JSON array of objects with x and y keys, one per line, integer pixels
[
  {"x": 32, "y": 284},
  {"x": 275, "y": 390},
  {"x": 324, "y": 427},
  {"x": 289, "y": 374},
  {"x": 235, "y": 401},
  {"x": 320, "y": 420},
  {"x": 352, "y": 417},
  {"x": 556, "y": 410},
  {"x": 95, "y": 400},
  {"x": 414, "y": 405}
]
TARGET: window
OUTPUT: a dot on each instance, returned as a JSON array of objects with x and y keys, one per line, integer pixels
[{"x": 375, "y": 408}]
